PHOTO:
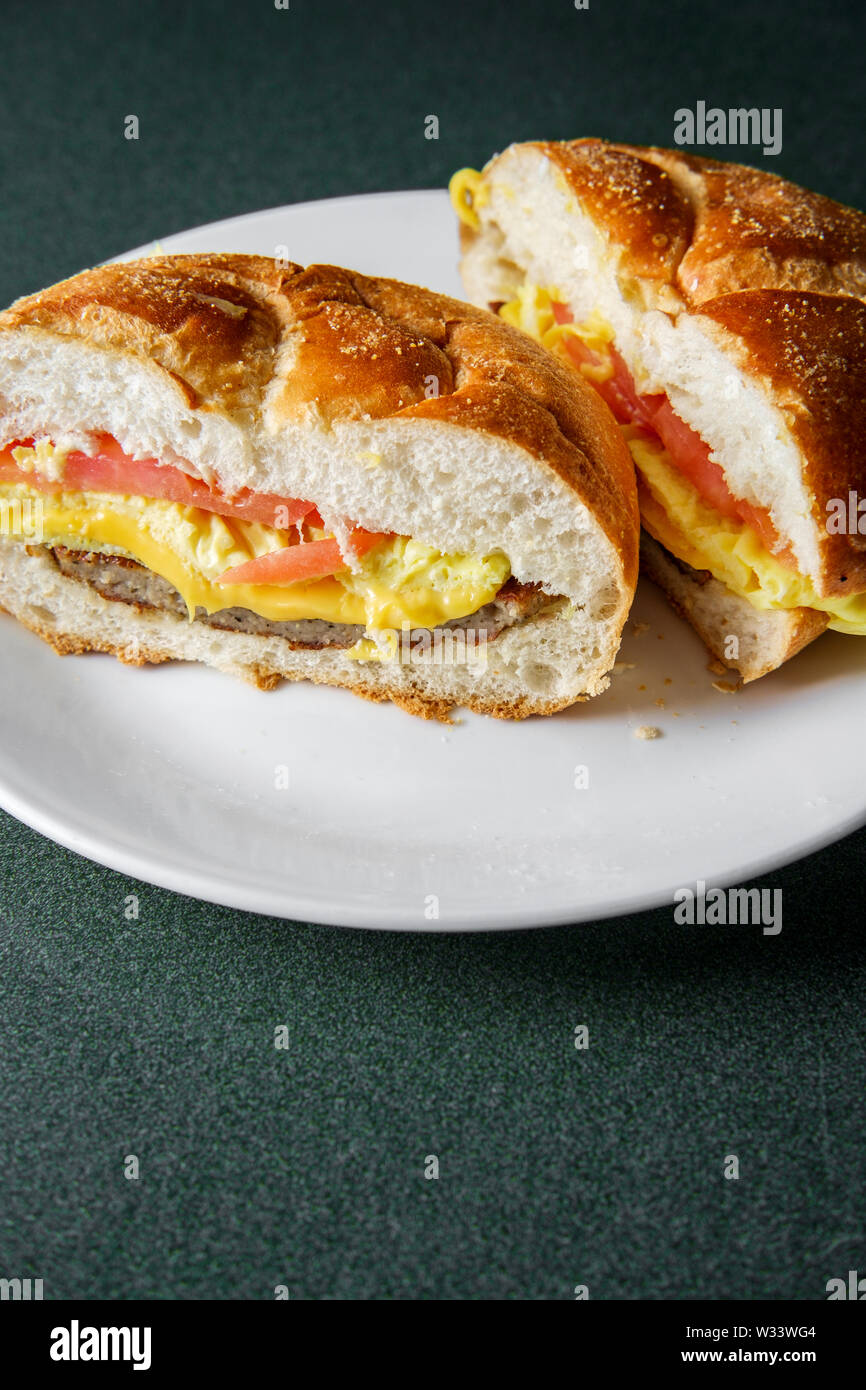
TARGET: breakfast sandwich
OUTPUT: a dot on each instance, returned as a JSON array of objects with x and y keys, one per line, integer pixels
[
  {"x": 294, "y": 473},
  {"x": 718, "y": 310}
]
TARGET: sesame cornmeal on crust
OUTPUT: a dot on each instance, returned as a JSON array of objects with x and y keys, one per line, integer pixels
[
  {"x": 720, "y": 311},
  {"x": 453, "y": 480}
]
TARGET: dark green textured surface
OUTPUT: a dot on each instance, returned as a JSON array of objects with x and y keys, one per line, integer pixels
[{"x": 155, "y": 1037}]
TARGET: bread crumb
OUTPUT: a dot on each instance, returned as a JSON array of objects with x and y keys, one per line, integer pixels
[
  {"x": 641, "y": 687},
  {"x": 647, "y": 731},
  {"x": 717, "y": 667},
  {"x": 726, "y": 687},
  {"x": 638, "y": 628},
  {"x": 660, "y": 703},
  {"x": 621, "y": 666},
  {"x": 668, "y": 680}
]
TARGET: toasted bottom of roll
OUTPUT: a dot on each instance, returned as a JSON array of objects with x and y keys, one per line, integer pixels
[
  {"x": 537, "y": 666},
  {"x": 765, "y": 638}
]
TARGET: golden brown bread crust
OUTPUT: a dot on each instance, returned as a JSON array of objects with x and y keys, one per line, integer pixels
[
  {"x": 708, "y": 228},
  {"x": 209, "y": 321},
  {"x": 245, "y": 334},
  {"x": 634, "y": 200},
  {"x": 755, "y": 230},
  {"x": 780, "y": 271},
  {"x": 812, "y": 348}
]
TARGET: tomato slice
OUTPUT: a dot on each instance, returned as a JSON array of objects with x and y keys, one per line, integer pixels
[
  {"x": 692, "y": 457},
  {"x": 113, "y": 471},
  {"x": 618, "y": 390},
  {"x": 308, "y": 560},
  {"x": 688, "y": 452}
]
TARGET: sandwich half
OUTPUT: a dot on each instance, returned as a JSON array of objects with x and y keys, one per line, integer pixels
[
  {"x": 294, "y": 473},
  {"x": 718, "y": 310}
]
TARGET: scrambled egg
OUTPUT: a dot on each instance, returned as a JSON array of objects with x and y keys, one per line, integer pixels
[
  {"x": 400, "y": 580},
  {"x": 672, "y": 509},
  {"x": 674, "y": 512},
  {"x": 532, "y": 311},
  {"x": 42, "y": 457}
]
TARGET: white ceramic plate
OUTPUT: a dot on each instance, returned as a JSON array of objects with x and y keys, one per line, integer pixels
[{"x": 170, "y": 773}]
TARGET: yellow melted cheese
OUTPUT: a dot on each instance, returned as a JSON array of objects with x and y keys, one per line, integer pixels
[
  {"x": 672, "y": 509},
  {"x": 400, "y": 580},
  {"x": 468, "y": 192},
  {"x": 675, "y": 513}
]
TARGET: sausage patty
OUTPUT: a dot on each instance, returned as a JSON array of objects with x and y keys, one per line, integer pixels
[{"x": 126, "y": 581}]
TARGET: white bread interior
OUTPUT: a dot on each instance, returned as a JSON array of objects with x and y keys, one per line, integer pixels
[
  {"x": 315, "y": 384},
  {"x": 421, "y": 480},
  {"x": 766, "y": 637},
  {"x": 535, "y": 667},
  {"x": 532, "y": 227}
]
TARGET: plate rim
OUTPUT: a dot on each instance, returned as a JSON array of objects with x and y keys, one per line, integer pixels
[
  {"x": 148, "y": 869},
  {"x": 223, "y": 222}
]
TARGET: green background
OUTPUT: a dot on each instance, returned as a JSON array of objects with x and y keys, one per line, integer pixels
[{"x": 155, "y": 1036}]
